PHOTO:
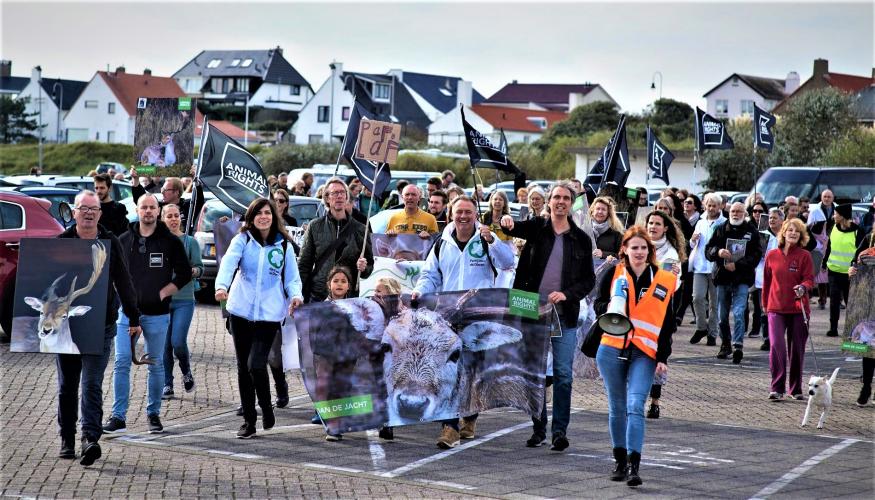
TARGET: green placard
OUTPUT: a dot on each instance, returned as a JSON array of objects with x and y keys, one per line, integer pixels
[
  {"x": 523, "y": 304},
  {"x": 146, "y": 170},
  {"x": 185, "y": 104},
  {"x": 344, "y": 407},
  {"x": 849, "y": 346}
]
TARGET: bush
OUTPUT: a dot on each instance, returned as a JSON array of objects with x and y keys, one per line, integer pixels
[
  {"x": 857, "y": 149},
  {"x": 77, "y": 158},
  {"x": 285, "y": 157}
]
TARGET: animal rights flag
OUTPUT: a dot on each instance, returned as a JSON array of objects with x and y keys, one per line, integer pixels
[
  {"x": 659, "y": 158},
  {"x": 483, "y": 153},
  {"x": 593, "y": 179},
  {"x": 616, "y": 157},
  {"x": 230, "y": 171},
  {"x": 367, "y": 363},
  {"x": 763, "y": 136},
  {"x": 374, "y": 176},
  {"x": 711, "y": 132}
]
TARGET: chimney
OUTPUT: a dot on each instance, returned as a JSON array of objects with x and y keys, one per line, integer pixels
[
  {"x": 5, "y": 68},
  {"x": 514, "y": 82},
  {"x": 336, "y": 69},
  {"x": 120, "y": 69},
  {"x": 575, "y": 99},
  {"x": 821, "y": 68},
  {"x": 147, "y": 72},
  {"x": 464, "y": 93},
  {"x": 36, "y": 73},
  {"x": 397, "y": 73},
  {"x": 791, "y": 83},
  {"x": 279, "y": 50}
]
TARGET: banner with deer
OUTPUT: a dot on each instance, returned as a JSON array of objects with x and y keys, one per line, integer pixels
[
  {"x": 384, "y": 361},
  {"x": 164, "y": 132},
  {"x": 60, "y": 296}
]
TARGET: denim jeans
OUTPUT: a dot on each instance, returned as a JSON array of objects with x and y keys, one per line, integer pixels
[
  {"x": 732, "y": 297},
  {"x": 627, "y": 384},
  {"x": 704, "y": 292},
  {"x": 563, "y": 358},
  {"x": 90, "y": 369},
  {"x": 176, "y": 342},
  {"x": 154, "y": 333}
]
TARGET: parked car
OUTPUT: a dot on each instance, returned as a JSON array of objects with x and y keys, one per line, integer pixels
[
  {"x": 104, "y": 166},
  {"x": 55, "y": 195},
  {"x": 21, "y": 216},
  {"x": 848, "y": 184},
  {"x": 120, "y": 189}
]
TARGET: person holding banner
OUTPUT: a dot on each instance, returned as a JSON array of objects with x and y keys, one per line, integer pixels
[
  {"x": 260, "y": 282},
  {"x": 628, "y": 362},
  {"x": 868, "y": 363}
]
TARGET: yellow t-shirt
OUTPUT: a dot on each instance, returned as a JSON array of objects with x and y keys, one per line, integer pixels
[{"x": 401, "y": 223}]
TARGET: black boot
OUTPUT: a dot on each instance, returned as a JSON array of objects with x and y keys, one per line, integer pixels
[
  {"x": 865, "y": 393},
  {"x": 634, "y": 461},
  {"x": 725, "y": 351},
  {"x": 68, "y": 447},
  {"x": 282, "y": 387},
  {"x": 619, "y": 473}
]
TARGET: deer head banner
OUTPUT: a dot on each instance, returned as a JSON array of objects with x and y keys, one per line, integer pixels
[
  {"x": 164, "y": 132},
  {"x": 368, "y": 362},
  {"x": 60, "y": 296}
]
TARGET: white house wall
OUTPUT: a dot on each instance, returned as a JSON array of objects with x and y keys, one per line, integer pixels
[
  {"x": 275, "y": 96},
  {"x": 734, "y": 94},
  {"x": 595, "y": 95},
  {"x": 97, "y": 122},
  {"x": 49, "y": 118},
  {"x": 191, "y": 85},
  {"x": 447, "y": 129},
  {"x": 680, "y": 173},
  {"x": 307, "y": 124}
]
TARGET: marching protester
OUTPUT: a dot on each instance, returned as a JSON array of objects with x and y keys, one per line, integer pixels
[
  {"x": 171, "y": 192},
  {"x": 756, "y": 211},
  {"x": 87, "y": 370},
  {"x": 159, "y": 266},
  {"x": 776, "y": 220},
  {"x": 844, "y": 238},
  {"x": 522, "y": 196},
  {"x": 498, "y": 208},
  {"x": 787, "y": 278},
  {"x": 259, "y": 280},
  {"x": 281, "y": 200},
  {"x": 113, "y": 215},
  {"x": 555, "y": 262},
  {"x": 735, "y": 275},
  {"x": 181, "y": 307},
  {"x": 412, "y": 220},
  {"x": 607, "y": 228},
  {"x": 468, "y": 255},
  {"x": 447, "y": 179},
  {"x": 702, "y": 270},
  {"x": 689, "y": 212},
  {"x": 536, "y": 203},
  {"x": 437, "y": 205},
  {"x": 628, "y": 363},
  {"x": 867, "y": 246}
]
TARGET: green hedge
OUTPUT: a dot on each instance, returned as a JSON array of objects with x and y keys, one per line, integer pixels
[{"x": 77, "y": 158}]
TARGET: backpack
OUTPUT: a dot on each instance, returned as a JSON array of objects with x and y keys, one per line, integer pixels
[{"x": 437, "y": 255}]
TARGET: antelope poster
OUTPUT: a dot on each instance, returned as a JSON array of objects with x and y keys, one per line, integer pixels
[
  {"x": 60, "y": 296},
  {"x": 368, "y": 363},
  {"x": 164, "y": 132}
]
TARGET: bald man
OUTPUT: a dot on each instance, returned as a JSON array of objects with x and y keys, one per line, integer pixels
[{"x": 412, "y": 220}]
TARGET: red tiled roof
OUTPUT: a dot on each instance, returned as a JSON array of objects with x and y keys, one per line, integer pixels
[
  {"x": 226, "y": 127},
  {"x": 547, "y": 93},
  {"x": 517, "y": 118},
  {"x": 128, "y": 87},
  {"x": 848, "y": 83}
]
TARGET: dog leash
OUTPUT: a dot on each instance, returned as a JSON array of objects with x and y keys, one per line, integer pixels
[{"x": 807, "y": 330}]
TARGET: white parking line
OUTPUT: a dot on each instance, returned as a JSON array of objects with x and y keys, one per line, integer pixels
[
  {"x": 610, "y": 459},
  {"x": 378, "y": 454},
  {"x": 791, "y": 476},
  {"x": 447, "y": 484},
  {"x": 331, "y": 467}
]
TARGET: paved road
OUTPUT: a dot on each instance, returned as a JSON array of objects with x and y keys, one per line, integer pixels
[{"x": 719, "y": 437}]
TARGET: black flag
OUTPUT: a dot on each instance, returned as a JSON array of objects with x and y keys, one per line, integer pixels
[
  {"x": 763, "y": 137},
  {"x": 711, "y": 132},
  {"x": 374, "y": 176},
  {"x": 616, "y": 161},
  {"x": 483, "y": 153},
  {"x": 230, "y": 171},
  {"x": 659, "y": 158}
]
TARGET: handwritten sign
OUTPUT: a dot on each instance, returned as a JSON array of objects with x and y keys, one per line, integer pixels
[{"x": 378, "y": 141}]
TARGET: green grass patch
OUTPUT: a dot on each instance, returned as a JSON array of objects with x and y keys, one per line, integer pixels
[{"x": 77, "y": 158}]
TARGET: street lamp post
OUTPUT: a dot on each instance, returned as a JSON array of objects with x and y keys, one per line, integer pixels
[
  {"x": 57, "y": 85},
  {"x": 39, "y": 102},
  {"x": 653, "y": 83},
  {"x": 246, "y": 123}
]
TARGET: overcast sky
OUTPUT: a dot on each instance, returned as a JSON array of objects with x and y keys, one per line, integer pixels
[{"x": 695, "y": 45}]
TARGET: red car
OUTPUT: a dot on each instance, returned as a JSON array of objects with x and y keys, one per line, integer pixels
[{"x": 20, "y": 217}]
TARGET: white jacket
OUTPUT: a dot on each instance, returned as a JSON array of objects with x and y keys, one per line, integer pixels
[
  {"x": 463, "y": 270},
  {"x": 698, "y": 263}
]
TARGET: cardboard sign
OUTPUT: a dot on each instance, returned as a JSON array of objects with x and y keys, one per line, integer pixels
[
  {"x": 378, "y": 141},
  {"x": 163, "y": 133}
]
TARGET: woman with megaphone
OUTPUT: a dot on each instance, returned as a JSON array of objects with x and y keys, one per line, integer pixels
[{"x": 635, "y": 303}]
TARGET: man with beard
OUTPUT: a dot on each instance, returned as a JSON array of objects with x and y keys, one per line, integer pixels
[
  {"x": 704, "y": 292},
  {"x": 113, "y": 215},
  {"x": 437, "y": 205},
  {"x": 172, "y": 191}
]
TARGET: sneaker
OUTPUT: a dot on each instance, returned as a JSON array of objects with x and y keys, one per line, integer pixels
[
  {"x": 167, "y": 393},
  {"x": 797, "y": 397},
  {"x": 315, "y": 419},
  {"x": 333, "y": 437},
  {"x": 449, "y": 438},
  {"x": 246, "y": 431},
  {"x": 724, "y": 352},
  {"x": 114, "y": 425},
  {"x": 188, "y": 382},
  {"x": 776, "y": 396},
  {"x": 387, "y": 433},
  {"x": 68, "y": 448},
  {"x": 737, "y": 355},
  {"x": 698, "y": 336},
  {"x": 268, "y": 419},
  {"x": 155, "y": 426},
  {"x": 240, "y": 411},
  {"x": 466, "y": 430},
  {"x": 90, "y": 452},
  {"x": 832, "y": 333},
  {"x": 753, "y": 335},
  {"x": 560, "y": 443},
  {"x": 536, "y": 440},
  {"x": 766, "y": 345},
  {"x": 653, "y": 412},
  {"x": 281, "y": 401},
  {"x": 712, "y": 341}
]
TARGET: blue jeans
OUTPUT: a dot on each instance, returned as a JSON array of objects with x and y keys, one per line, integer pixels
[
  {"x": 89, "y": 368},
  {"x": 176, "y": 342},
  {"x": 734, "y": 296},
  {"x": 154, "y": 332},
  {"x": 627, "y": 384},
  {"x": 563, "y": 358}
]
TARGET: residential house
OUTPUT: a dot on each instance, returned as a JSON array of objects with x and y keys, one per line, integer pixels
[
  {"x": 11, "y": 85},
  {"x": 412, "y": 99},
  {"x": 106, "y": 109},
  {"x": 519, "y": 124},
  {"x": 737, "y": 94},
  {"x": 549, "y": 96},
  {"x": 864, "y": 106},
  {"x": 823, "y": 77},
  {"x": 229, "y": 76},
  {"x": 51, "y": 99},
  {"x": 226, "y": 127}
]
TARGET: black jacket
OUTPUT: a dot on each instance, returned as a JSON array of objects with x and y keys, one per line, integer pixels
[
  {"x": 154, "y": 262},
  {"x": 184, "y": 204},
  {"x": 321, "y": 234},
  {"x": 578, "y": 277},
  {"x": 114, "y": 217},
  {"x": 744, "y": 268},
  {"x": 609, "y": 242},
  {"x": 119, "y": 277}
]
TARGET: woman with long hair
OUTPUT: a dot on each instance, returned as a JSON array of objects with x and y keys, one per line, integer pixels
[
  {"x": 498, "y": 207},
  {"x": 259, "y": 280},
  {"x": 281, "y": 200},
  {"x": 628, "y": 362},
  {"x": 692, "y": 208},
  {"x": 606, "y": 227}
]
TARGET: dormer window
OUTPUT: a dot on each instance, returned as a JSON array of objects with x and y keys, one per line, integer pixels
[
  {"x": 246, "y": 63},
  {"x": 234, "y": 63},
  {"x": 445, "y": 92},
  {"x": 381, "y": 91},
  {"x": 538, "y": 121},
  {"x": 214, "y": 63}
]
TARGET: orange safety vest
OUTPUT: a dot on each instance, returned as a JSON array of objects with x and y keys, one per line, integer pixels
[{"x": 647, "y": 315}]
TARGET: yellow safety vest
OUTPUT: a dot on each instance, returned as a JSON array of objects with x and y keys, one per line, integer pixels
[{"x": 841, "y": 250}]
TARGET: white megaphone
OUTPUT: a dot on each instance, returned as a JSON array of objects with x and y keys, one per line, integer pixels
[{"x": 614, "y": 320}]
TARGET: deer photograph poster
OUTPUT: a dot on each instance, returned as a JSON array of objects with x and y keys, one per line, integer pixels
[
  {"x": 386, "y": 361},
  {"x": 164, "y": 132},
  {"x": 60, "y": 296}
]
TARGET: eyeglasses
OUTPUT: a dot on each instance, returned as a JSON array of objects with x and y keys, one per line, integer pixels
[
  {"x": 142, "y": 242},
  {"x": 335, "y": 194},
  {"x": 88, "y": 210},
  {"x": 279, "y": 200},
  {"x": 169, "y": 189},
  {"x": 757, "y": 211},
  {"x": 688, "y": 202}
]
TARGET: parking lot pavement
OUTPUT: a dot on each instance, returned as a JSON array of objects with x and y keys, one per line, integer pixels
[{"x": 718, "y": 437}]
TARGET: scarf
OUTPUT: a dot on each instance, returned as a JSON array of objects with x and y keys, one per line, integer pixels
[
  {"x": 694, "y": 218},
  {"x": 600, "y": 227},
  {"x": 662, "y": 247}
]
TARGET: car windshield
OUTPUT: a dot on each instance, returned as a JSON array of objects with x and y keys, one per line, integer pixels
[
  {"x": 850, "y": 186},
  {"x": 304, "y": 212},
  {"x": 213, "y": 210},
  {"x": 775, "y": 185},
  {"x": 123, "y": 190}
]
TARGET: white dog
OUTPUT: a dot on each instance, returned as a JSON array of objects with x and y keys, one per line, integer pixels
[{"x": 819, "y": 397}]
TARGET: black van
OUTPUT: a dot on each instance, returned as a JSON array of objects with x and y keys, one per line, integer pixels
[{"x": 849, "y": 184}]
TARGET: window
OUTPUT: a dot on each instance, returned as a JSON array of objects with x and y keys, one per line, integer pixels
[
  {"x": 110, "y": 136},
  {"x": 315, "y": 139},
  {"x": 110, "y": 108},
  {"x": 381, "y": 91},
  {"x": 295, "y": 90},
  {"x": 11, "y": 216},
  {"x": 243, "y": 85},
  {"x": 97, "y": 136},
  {"x": 214, "y": 63},
  {"x": 721, "y": 106},
  {"x": 746, "y": 107},
  {"x": 246, "y": 63},
  {"x": 322, "y": 114},
  {"x": 216, "y": 85},
  {"x": 226, "y": 85},
  {"x": 345, "y": 113},
  {"x": 90, "y": 104},
  {"x": 234, "y": 63}
]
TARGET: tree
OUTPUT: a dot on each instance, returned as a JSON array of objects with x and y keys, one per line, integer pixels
[
  {"x": 857, "y": 149},
  {"x": 811, "y": 123},
  {"x": 581, "y": 121},
  {"x": 671, "y": 120},
  {"x": 15, "y": 122},
  {"x": 736, "y": 169}
]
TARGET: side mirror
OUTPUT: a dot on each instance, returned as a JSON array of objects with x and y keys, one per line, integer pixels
[{"x": 65, "y": 212}]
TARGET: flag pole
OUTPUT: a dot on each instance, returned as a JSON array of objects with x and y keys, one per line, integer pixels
[
  {"x": 197, "y": 174},
  {"x": 368, "y": 222}
]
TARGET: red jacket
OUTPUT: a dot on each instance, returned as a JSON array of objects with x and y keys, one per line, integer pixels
[{"x": 783, "y": 272}]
